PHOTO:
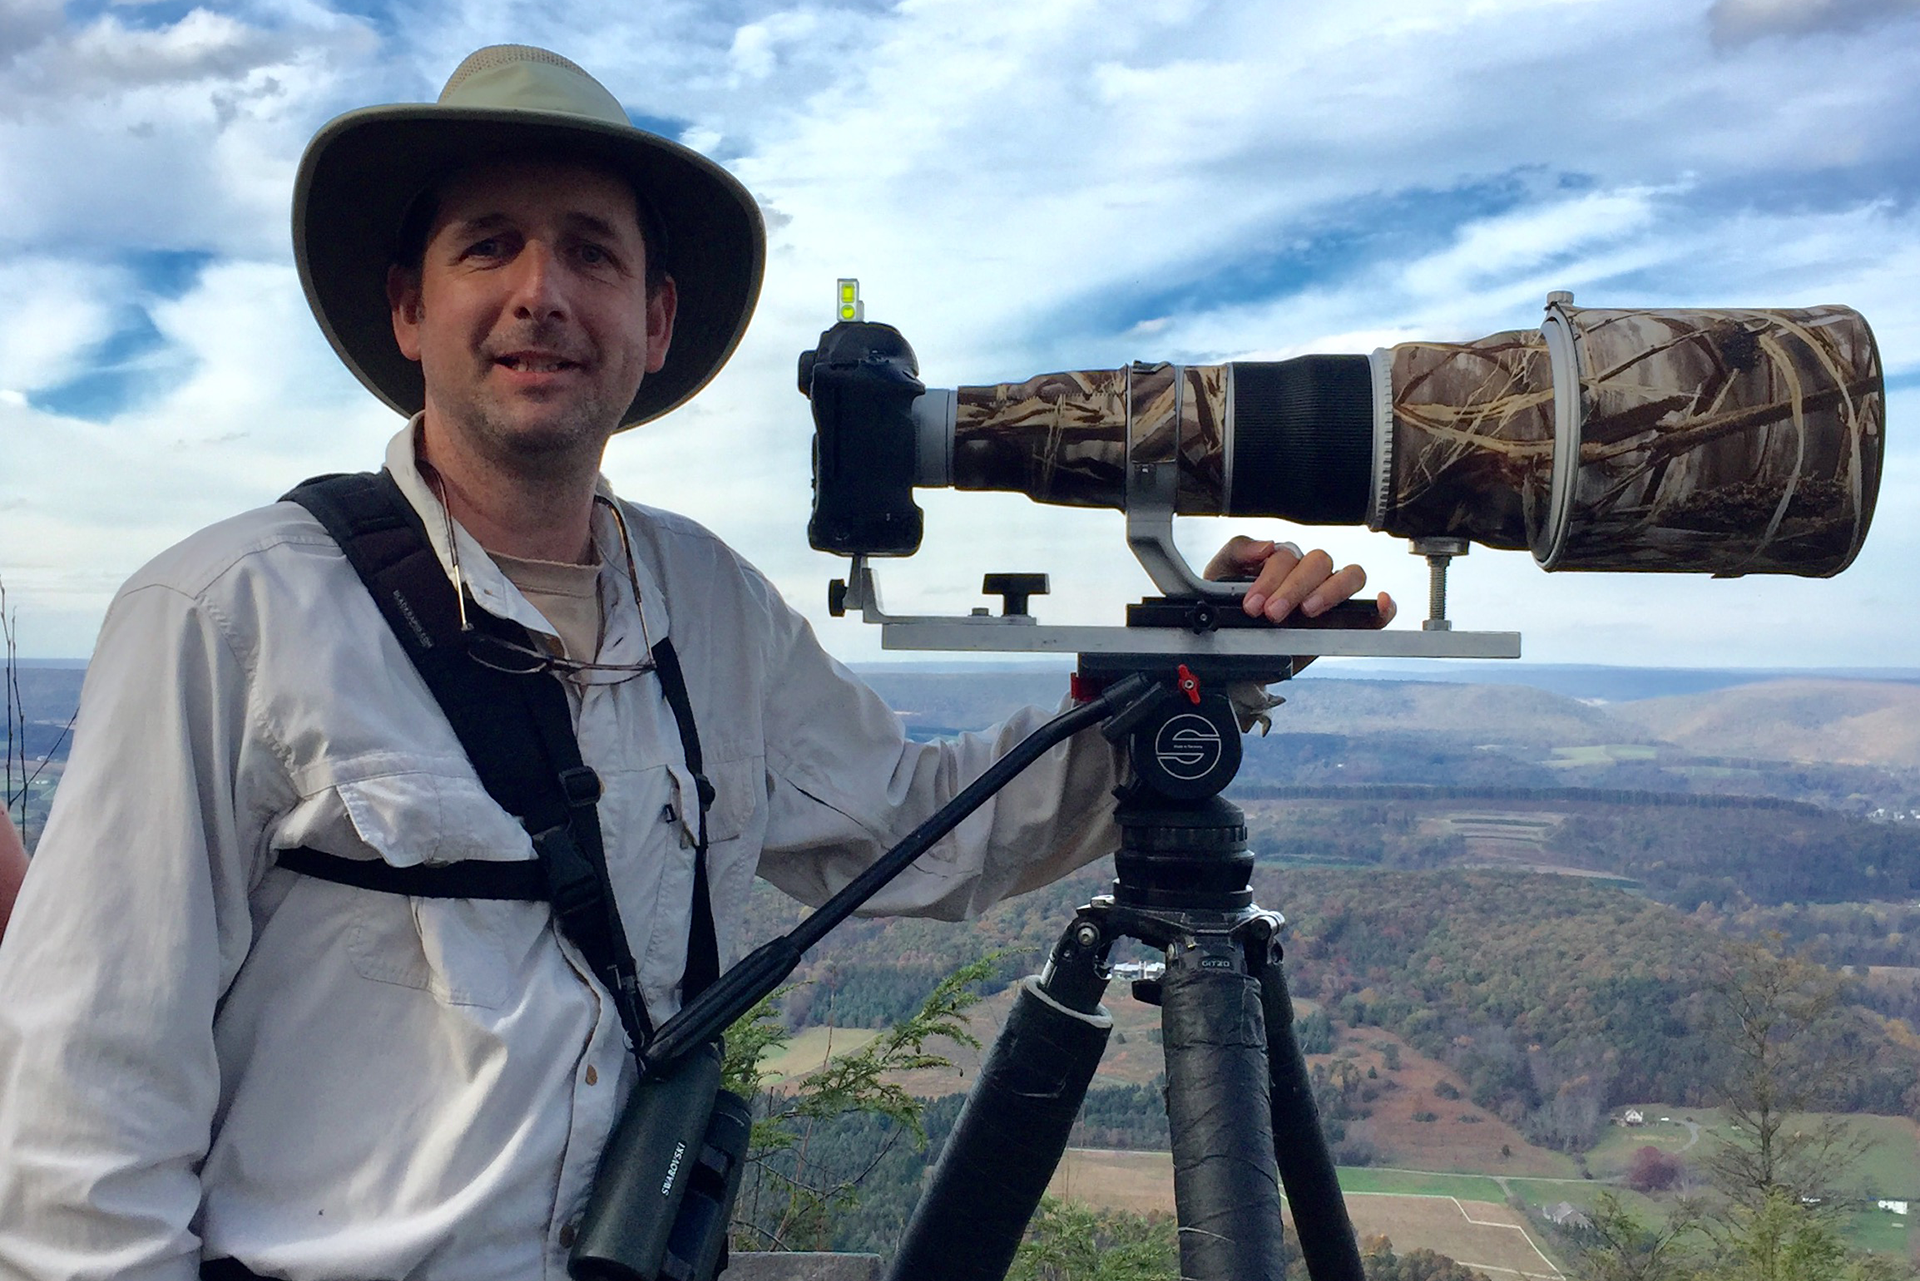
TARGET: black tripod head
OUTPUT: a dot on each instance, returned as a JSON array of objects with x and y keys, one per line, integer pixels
[{"x": 1182, "y": 846}]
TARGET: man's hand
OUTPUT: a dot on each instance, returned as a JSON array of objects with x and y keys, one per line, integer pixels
[{"x": 1285, "y": 580}]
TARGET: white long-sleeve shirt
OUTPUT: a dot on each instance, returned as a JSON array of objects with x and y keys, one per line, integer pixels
[{"x": 202, "y": 1053}]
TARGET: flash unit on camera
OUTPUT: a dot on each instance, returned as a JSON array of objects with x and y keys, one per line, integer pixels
[{"x": 850, "y": 306}]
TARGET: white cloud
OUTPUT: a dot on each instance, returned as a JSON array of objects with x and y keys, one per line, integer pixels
[
  {"x": 758, "y": 46},
  {"x": 53, "y": 311},
  {"x": 1073, "y": 184}
]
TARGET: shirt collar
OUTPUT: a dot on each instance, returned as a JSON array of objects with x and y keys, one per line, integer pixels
[{"x": 495, "y": 592}]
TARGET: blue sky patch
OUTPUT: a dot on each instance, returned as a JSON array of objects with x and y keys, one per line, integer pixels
[
  {"x": 167, "y": 273},
  {"x": 152, "y": 16},
  {"x": 1342, "y": 242},
  {"x": 666, "y": 126},
  {"x": 129, "y": 366}
]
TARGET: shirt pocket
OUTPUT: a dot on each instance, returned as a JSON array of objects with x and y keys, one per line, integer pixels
[
  {"x": 459, "y": 950},
  {"x": 739, "y": 787},
  {"x": 736, "y": 826}
]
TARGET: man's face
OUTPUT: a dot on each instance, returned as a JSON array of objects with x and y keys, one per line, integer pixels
[{"x": 530, "y": 315}]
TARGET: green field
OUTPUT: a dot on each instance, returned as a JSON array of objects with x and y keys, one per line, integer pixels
[
  {"x": 1465, "y": 1187},
  {"x": 1608, "y": 1157},
  {"x": 810, "y": 1049},
  {"x": 1600, "y": 754},
  {"x": 1878, "y": 1230},
  {"x": 1890, "y": 1168}
]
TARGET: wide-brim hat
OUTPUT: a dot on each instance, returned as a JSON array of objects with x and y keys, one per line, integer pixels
[{"x": 363, "y": 170}]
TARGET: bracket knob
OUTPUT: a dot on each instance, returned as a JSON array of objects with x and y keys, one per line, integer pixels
[{"x": 1013, "y": 590}]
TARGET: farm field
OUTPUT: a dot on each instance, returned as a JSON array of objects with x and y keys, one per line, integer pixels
[
  {"x": 810, "y": 1049},
  {"x": 1491, "y": 1237},
  {"x": 1461, "y": 1216},
  {"x": 1879, "y": 1231},
  {"x": 1890, "y": 1168}
]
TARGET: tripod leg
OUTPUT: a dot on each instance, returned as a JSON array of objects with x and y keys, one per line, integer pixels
[
  {"x": 1014, "y": 1126},
  {"x": 1225, "y": 1185},
  {"x": 1306, "y": 1166}
]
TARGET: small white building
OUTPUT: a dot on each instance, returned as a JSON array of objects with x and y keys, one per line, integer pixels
[
  {"x": 1633, "y": 1117},
  {"x": 1897, "y": 1207}
]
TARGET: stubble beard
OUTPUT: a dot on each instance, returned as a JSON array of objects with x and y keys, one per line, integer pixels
[{"x": 532, "y": 439}]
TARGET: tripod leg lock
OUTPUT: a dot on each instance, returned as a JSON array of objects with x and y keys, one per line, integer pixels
[{"x": 1076, "y": 975}]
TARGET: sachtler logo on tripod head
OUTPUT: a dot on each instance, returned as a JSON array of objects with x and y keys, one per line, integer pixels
[{"x": 1188, "y": 746}]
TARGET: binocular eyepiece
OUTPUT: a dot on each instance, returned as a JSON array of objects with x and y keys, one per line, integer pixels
[{"x": 1724, "y": 441}]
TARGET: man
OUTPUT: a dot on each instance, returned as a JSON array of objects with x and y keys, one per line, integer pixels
[{"x": 205, "y": 1055}]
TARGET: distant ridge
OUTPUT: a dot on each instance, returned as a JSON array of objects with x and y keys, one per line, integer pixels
[
  {"x": 1449, "y": 792},
  {"x": 1586, "y": 681},
  {"x": 1801, "y": 719},
  {"x": 1590, "y": 681}
]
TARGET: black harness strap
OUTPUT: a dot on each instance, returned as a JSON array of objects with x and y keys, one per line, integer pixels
[
  {"x": 517, "y": 730},
  {"x": 703, "y": 949},
  {"x": 472, "y": 878}
]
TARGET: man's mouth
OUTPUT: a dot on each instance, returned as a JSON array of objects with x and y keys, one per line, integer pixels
[{"x": 534, "y": 363}]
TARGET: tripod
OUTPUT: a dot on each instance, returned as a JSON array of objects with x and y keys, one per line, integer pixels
[{"x": 1239, "y": 1102}]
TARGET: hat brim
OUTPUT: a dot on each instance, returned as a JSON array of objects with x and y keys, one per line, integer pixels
[{"x": 364, "y": 168}]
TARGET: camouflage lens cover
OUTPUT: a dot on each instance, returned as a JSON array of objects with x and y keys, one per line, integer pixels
[
  {"x": 1710, "y": 441},
  {"x": 1724, "y": 441}
]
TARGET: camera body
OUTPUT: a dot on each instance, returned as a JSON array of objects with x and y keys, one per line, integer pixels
[{"x": 863, "y": 381}]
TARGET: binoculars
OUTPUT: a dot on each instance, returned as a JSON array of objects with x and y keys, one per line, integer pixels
[{"x": 667, "y": 1180}]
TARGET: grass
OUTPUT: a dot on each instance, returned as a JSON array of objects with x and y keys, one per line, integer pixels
[
  {"x": 1465, "y": 1187},
  {"x": 810, "y": 1049},
  {"x": 1618, "y": 1144},
  {"x": 1890, "y": 1168},
  {"x": 1881, "y": 1231},
  {"x": 1601, "y": 754}
]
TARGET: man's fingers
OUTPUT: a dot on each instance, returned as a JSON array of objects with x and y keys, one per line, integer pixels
[
  {"x": 1281, "y": 563},
  {"x": 1240, "y": 557},
  {"x": 1237, "y": 557},
  {"x": 1281, "y": 586},
  {"x": 1333, "y": 589},
  {"x": 1286, "y": 579}
]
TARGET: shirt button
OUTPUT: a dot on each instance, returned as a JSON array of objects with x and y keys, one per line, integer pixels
[
  {"x": 593, "y": 1076},
  {"x": 566, "y": 1237}
]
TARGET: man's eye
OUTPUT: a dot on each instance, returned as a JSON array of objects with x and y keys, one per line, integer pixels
[
  {"x": 594, "y": 255},
  {"x": 491, "y": 247}
]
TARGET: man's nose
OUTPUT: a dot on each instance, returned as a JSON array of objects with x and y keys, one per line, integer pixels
[{"x": 538, "y": 292}]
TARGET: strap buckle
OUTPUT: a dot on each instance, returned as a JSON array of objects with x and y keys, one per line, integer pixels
[
  {"x": 581, "y": 785},
  {"x": 573, "y": 884}
]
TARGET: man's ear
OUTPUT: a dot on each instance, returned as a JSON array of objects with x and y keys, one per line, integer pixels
[
  {"x": 662, "y": 305},
  {"x": 403, "y": 301}
]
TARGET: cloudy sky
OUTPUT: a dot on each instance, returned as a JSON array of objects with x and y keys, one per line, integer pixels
[{"x": 1020, "y": 187}]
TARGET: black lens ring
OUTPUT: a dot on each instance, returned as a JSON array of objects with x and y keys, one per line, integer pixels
[{"x": 1303, "y": 439}]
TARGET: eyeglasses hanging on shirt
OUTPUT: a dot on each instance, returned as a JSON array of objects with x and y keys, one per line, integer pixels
[{"x": 503, "y": 655}]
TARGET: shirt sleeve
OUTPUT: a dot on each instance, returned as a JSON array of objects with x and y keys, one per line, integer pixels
[
  {"x": 132, "y": 921},
  {"x": 846, "y": 784}
]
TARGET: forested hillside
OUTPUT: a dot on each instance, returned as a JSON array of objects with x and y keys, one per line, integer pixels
[
  {"x": 1682, "y": 848},
  {"x": 1556, "y": 999}
]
